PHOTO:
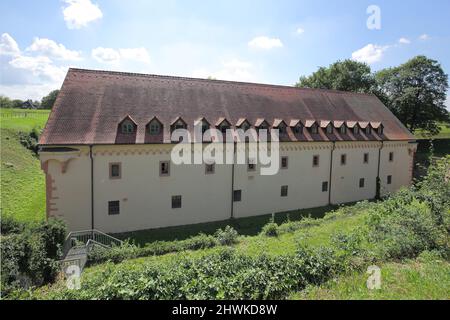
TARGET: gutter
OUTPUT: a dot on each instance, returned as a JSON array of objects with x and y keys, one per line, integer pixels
[
  {"x": 331, "y": 172},
  {"x": 92, "y": 186}
]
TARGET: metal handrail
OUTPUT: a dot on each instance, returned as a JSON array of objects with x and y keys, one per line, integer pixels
[{"x": 84, "y": 236}]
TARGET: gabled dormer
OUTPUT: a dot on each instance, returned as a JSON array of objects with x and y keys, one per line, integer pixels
[
  {"x": 327, "y": 126},
  {"x": 154, "y": 127},
  {"x": 312, "y": 126},
  {"x": 223, "y": 125},
  {"x": 243, "y": 124},
  {"x": 296, "y": 126},
  {"x": 261, "y": 124},
  {"x": 178, "y": 123},
  {"x": 128, "y": 125},
  {"x": 378, "y": 126},
  {"x": 340, "y": 126},
  {"x": 281, "y": 126},
  {"x": 205, "y": 125},
  {"x": 365, "y": 126},
  {"x": 354, "y": 126}
]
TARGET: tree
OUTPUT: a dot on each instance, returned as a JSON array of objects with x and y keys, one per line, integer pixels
[
  {"x": 49, "y": 100},
  {"x": 416, "y": 92},
  {"x": 347, "y": 75},
  {"x": 5, "y": 102}
]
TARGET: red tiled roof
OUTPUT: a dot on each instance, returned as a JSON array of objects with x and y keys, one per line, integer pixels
[{"x": 91, "y": 104}]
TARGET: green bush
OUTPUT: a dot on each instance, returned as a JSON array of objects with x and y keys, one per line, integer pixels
[
  {"x": 31, "y": 258},
  {"x": 221, "y": 275},
  {"x": 226, "y": 237},
  {"x": 30, "y": 140},
  {"x": 270, "y": 230},
  {"x": 10, "y": 225}
]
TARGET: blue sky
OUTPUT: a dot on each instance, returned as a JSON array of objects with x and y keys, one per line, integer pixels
[{"x": 257, "y": 41}]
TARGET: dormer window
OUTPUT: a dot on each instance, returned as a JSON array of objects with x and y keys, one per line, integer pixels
[
  {"x": 330, "y": 129},
  {"x": 356, "y": 130},
  {"x": 343, "y": 129},
  {"x": 223, "y": 125},
  {"x": 205, "y": 127},
  {"x": 154, "y": 127},
  {"x": 368, "y": 130},
  {"x": 127, "y": 126},
  {"x": 380, "y": 130},
  {"x": 261, "y": 124},
  {"x": 283, "y": 129},
  {"x": 179, "y": 124},
  {"x": 298, "y": 129},
  {"x": 314, "y": 129},
  {"x": 281, "y": 126},
  {"x": 245, "y": 126}
]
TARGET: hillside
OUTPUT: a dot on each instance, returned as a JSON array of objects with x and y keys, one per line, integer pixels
[{"x": 22, "y": 180}]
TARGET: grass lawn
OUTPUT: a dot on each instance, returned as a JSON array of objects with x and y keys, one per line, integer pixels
[
  {"x": 22, "y": 180},
  {"x": 245, "y": 226},
  {"x": 412, "y": 279}
]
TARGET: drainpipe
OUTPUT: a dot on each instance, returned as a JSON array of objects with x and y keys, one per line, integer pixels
[
  {"x": 331, "y": 172},
  {"x": 378, "y": 187},
  {"x": 232, "y": 181},
  {"x": 92, "y": 187}
]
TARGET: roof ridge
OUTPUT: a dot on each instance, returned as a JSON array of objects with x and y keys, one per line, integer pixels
[{"x": 215, "y": 81}]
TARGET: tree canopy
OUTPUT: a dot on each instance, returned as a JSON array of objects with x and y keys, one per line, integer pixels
[
  {"x": 414, "y": 91},
  {"x": 49, "y": 100}
]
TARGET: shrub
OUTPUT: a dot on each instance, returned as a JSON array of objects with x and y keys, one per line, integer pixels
[
  {"x": 227, "y": 236},
  {"x": 10, "y": 225},
  {"x": 270, "y": 230},
  {"x": 31, "y": 257},
  {"x": 30, "y": 140}
]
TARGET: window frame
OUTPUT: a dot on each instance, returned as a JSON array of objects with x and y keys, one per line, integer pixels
[
  {"x": 235, "y": 193},
  {"x": 343, "y": 159},
  {"x": 391, "y": 156},
  {"x": 325, "y": 186},
  {"x": 151, "y": 124},
  {"x": 343, "y": 129},
  {"x": 364, "y": 157},
  {"x": 389, "y": 179},
  {"x": 111, "y": 206},
  {"x": 284, "y": 192},
  {"x": 362, "y": 183},
  {"x": 287, "y": 162},
  {"x": 314, "y": 164},
  {"x": 126, "y": 125},
  {"x": 177, "y": 202},
  {"x": 211, "y": 165},
  {"x": 111, "y": 164},
  {"x": 161, "y": 173}
]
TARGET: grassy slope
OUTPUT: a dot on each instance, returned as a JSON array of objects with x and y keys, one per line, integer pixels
[
  {"x": 413, "y": 279},
  {"x": 443, "y": 134},
  {"x": 22, "y": 180}
]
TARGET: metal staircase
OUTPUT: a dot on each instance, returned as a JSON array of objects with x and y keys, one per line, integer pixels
[{"x": 79, "y": 243}]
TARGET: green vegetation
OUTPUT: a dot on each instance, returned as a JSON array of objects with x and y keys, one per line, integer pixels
[
  {"x": 30, "y": 253},
  {"x": 404, "y": 234},
  {"x": 22, "y": 180},
  {"x": 427, "y": 277},
  {"x": 444, "y": 132}
]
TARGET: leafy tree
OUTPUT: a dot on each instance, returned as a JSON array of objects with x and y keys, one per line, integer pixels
[
  {"x": 5, "y": 102},
  {"x": 17, "y": 103},
  {"x": 416, "y": 93},
  {"x": 49, "y": 100},
  {"x": 347, "y": 75}
]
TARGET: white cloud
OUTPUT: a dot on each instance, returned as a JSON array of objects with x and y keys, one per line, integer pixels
[
  {"x": 369, "y": 54},
  {"x": 52, "y": 49},
  {"x": 136, "y": 54},
  {"x": 424, "y": 37},
  {"x": 265, "y": 43},
  {"x": 106, "y": 55},
  {"x": 300, "y": 31},
  {"x": 8, "y": 46},
  {"x": 234, "y": 69},
  {"x": 79, "y": 13},
  {"x": 404, "y": 41},
  {"x": 40, "y": 66},
  {"x": 109, "y": 55}
]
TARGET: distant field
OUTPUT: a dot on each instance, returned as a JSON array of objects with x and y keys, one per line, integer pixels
[
  {"x": 22, "y": 180},
  {"x": 444, "y": 134}
]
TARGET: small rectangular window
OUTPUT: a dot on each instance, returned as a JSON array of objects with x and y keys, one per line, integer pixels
[
  {"x": 343, "y": 129},
  {"x": 366, "y": 158},
  {"x": 176, "y": 202},
  {"x": 237, "y": 195},
  {"x": 315, "y": 161},
  {"x": 251, "y": 165},
  {"x": 356, "y": 130},
  {"x": 389, "y": 179},
  {"x": 330, "y": 129},
  {"x": 164, "y": 168},
  {"x": 284, "y": 191},
  {"x": 315, "y": 129},
  {"x": 113, "y": 207},
  {"x": 325, "y": 186},
  {"x": 343, "y": 159},
  {"x": 391, "y": 156},
  {"x": 210, "y": 168},
  {"x": 115, "y": 171},
  {"x": 361, "y": 183},
  {"x": 284, "y": 162}
]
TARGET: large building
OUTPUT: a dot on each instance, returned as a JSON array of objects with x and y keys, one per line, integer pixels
[{"x": 106, "y": 150}]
